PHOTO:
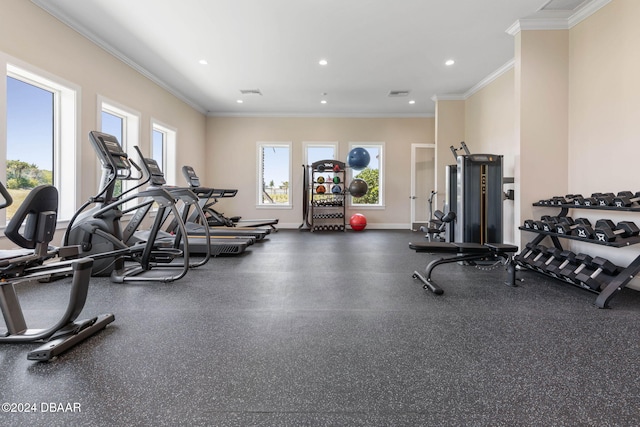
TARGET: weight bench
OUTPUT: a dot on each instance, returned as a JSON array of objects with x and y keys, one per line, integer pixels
[{"x": 464, "y": 252}]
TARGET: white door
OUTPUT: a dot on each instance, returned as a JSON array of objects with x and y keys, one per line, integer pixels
[{"x": 423, "y": 182}]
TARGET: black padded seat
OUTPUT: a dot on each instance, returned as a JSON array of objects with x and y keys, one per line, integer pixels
[
  {"x": 502, "y": 247},
  {"x": 468, "y": 247},
  {"x": 434, "y": 247}
]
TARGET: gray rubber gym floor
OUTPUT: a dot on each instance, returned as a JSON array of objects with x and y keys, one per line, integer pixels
[{"x": 331, "y": 329}]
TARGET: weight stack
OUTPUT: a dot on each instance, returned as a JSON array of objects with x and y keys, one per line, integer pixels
[{"x": 479, "y": 198}]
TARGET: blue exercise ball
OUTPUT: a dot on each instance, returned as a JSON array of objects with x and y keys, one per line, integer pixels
[{"x": 358, "y": 158}]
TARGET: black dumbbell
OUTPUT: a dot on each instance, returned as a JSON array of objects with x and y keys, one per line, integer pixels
[
  {"x": 530, "y": 252},
  {"x": 548, "y": 223},
  {"x": 599, "y": 265},
  {"x": 540, "y": 225},
  {"x": 584, "y": 231},
  {"x": 626, "y": 199},
  {"x": 579, "y": 263},
  {"x": 607, "y": 231},
  {"x": 567, "y": 257},
  {"x": 569, "y": 227},
  {"x": 571, "y": 198},
  {"x": 542, "y": 264},
  {"x": 604, "y": 199},
  {"x": 585, "y": 201},
  {"x": 558, "y": 200}
]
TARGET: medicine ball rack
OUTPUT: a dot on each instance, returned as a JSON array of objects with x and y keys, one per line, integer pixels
[
  {"x": 326, "y": 201},
  {"x": 611, "y": 284}
]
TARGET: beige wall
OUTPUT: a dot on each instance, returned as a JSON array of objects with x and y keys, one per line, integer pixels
[
  {"x": 490, "y": 129},
  {"x": 449, "y": 128},
  {"x": 604, "y": 113},
  {"x": 541, "y": 103},
  {"x": 231, "y": 160},
  {"x": 35, "y": 38}
]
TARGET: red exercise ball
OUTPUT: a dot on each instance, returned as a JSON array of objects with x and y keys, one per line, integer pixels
[{"x": 358, "y": 222}]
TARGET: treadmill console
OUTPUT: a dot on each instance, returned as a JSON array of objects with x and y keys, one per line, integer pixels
[
  {"x": 110, "y": 152},
  {"x": 191, "y": 176},
  {"x": 157, "y": 177}
]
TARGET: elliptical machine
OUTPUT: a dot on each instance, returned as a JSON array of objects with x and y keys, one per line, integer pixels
[
  {"x": 98, "y": 230},
  {"x": 38, "y": 213}
]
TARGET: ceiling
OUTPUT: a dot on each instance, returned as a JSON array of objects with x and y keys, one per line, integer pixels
[{"x": 372, "y": 47}]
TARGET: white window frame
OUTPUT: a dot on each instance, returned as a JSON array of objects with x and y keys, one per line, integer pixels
[
  {"x": 130, "y": 132},
  {"x": 329, "y": 144},
  {"x": 66, "y": 150},
  {"x": 170, "y": 133},
  {"x": 381, "y": 175},
  {"x": 259, "y": 148}
]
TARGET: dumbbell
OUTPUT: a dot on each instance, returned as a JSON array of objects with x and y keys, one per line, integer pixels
[
  {"x": 585, "y": 201},
  {"x": 542, "y": 265},
  {"x": 547, "y": 223},
  {"x": 529, "y": 223},
  {"x": 569, "y": 227},
  {"x": 626, "y": 199},
  {"x": 530, "y": 252},
  {"x": 600, "y": 265},
  {"x": 571, "y": 198},
  {"x": 540, "y": 225},
  {"x": 579, "y": 263},
  {"x": 557, "y": 200},
  {"x": 604, "y": 199},
  {"x": 607, "y": 231},
  {"x": 584, "y": 231},
  {"x": 567, "y": 258}
]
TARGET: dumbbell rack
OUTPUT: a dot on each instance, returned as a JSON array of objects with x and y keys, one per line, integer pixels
[
  {"x": 618, "y": 281},
  {"x": 327, "y": 210}
]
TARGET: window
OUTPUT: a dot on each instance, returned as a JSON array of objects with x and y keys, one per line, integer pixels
[
  {"x": 41, "y": 135},
  {"x": 158, "y": 145},
  {"x": 315, "y": 151},
  {"x": 29, "y": 139},
  {"x": 163, "y": 149},
  {"x": 274, "y": 174},
  {"x": 122, "y": 123},
  {"x": 373, "y": 175}
]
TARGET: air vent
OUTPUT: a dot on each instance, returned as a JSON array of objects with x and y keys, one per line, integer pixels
[
  {"x": 397, "y": 93},
  {"x": 563, "y": 4},
  {"x": 250, "y": 92}
]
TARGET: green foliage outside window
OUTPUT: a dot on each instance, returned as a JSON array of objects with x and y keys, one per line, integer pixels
[
  {"x": 23, "y": 175},
  {"x": 371, "y": 177}
]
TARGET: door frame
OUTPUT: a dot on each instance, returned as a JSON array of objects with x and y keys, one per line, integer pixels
[{"x": 412, "y": 196}]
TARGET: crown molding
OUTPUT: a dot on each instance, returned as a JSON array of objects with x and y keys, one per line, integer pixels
[
  {"x": 323, "y": 115},
  {"x": 85, "y": 32},
  {"x": 586, "y": 11},
  {"x": 555, "y": 20},
  {"x": 448, "y": 97},
  {"x": 490, "y": 78}
]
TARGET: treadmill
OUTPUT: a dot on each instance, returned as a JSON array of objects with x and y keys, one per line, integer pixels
[
  {"x": 209, "y": 197},
  {"x": 197, "y": 235}
]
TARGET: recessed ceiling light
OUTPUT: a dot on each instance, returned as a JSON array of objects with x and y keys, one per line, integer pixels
[
  {"x": 449, "y": 62},
  {"x": 239, "y": 101},
  {"x": 323, "y": 62},
  {"x": 324, "y": 101},
  {"x": 412, "y": 102},
  {"x": 203, "y": 62}
]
